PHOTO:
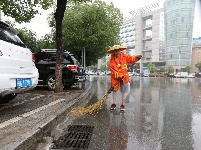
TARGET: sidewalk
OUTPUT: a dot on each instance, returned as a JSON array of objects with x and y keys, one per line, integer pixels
[{"x": 24, "y": 130}]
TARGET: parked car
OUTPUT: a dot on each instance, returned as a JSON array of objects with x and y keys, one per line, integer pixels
[
  {"x": 162, "y": 75},
  {"x": 153, "y": 75},
  {"x": 130, "y": 73},
  {"x": 136, "y": 74},
  {"x": 171, "y": 75},
  {"x": 181, "y": 75},
  {"x": 45, "y": 61},
  {"x": 91, "y": 73},
  {"x": 102, "y": 73},
  {"x": 198, "y": 74},
  {"x": 17, "y": 70},
  {"x": 146, "y": 74},
  {"x": 108, "y": 72},
  {"x": 191, "y": 75}
]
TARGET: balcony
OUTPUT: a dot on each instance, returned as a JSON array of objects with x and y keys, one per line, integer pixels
[
  {"x": 147, "y": 38},
  {"x": 146, "y": 59},
  {"x": 147, "y": 27},
  {"x": 147, "y": 49}
]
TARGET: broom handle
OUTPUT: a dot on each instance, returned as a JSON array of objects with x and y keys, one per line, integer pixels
[{"x": 112, "y": 87}]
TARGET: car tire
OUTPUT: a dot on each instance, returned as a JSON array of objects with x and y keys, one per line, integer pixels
[
  {"x": 50, "y": 82},
  {"x": 8, "y": 98},
  {"x": 68, "y": 86}
]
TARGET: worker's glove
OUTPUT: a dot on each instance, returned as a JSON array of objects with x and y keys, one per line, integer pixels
[{"x": 139, "y": 56}]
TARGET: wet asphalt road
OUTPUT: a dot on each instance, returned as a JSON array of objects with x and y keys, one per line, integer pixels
[{"x": 161, "y": 114}]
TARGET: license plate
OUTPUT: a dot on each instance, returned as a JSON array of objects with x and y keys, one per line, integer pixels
[{"x": 23, "y": 83}]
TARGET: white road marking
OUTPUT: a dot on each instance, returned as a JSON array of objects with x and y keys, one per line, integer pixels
[{"x": 15, "y": 119}]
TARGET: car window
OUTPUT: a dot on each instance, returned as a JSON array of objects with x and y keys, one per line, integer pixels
[
  {"x": 40, "y": 57},
  {"x": 75, "y": 58},
  {"x": 51, "y": 57},
  {"x": 68, "y": 59},
  {"x": 8, "y": 36},
  {"x": 76, "y": 61}
]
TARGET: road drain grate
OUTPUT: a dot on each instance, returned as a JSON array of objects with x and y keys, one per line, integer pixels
[{"x": 75, "y": 137}]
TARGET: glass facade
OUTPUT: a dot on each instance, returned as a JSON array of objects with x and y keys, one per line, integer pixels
[{"x": 179, "y": 18}]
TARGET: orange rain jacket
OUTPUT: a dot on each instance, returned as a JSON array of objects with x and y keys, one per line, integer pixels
[{"x": 119, "y": 70}]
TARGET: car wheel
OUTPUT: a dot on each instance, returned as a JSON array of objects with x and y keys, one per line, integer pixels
[
  {"x": 7, "y": 98},
  {"x": 50, "y": 82}
]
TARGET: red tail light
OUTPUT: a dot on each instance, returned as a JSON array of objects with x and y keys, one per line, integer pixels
[
  {"x": 72, "y": 67},
  {"x": 33, "y": 58}
]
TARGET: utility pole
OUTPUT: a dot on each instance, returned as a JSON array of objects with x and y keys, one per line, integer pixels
[{"x": 83, "y": 59}]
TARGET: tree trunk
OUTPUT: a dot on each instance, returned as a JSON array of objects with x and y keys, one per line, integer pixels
[{"x": 59, "y": 14}]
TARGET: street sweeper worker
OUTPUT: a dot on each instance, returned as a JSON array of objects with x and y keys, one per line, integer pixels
[{"x": 119, "y": 72}]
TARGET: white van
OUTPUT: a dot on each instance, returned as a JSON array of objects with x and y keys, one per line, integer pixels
[
  {"x": 181, "y": 75},
  {"x": 17, "y": 69}
]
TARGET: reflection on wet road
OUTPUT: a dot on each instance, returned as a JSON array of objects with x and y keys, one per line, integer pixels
[{"x": 161, "y": 113}]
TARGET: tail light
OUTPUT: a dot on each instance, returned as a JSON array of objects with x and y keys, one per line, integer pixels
[
  {"x": 33, "y": 58},
  {"x": 72, "y": 67}
]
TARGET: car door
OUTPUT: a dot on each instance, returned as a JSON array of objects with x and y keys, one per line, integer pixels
[{"x": 45, "y": 64}]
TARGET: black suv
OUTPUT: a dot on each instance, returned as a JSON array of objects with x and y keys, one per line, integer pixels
[{"x": 45, "y": 61}]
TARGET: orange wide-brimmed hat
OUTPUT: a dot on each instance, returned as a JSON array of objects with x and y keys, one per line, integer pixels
[{"x": 116, "y": 47}]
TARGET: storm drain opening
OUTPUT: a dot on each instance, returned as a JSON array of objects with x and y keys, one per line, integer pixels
[{"x": 75, "y": 137}]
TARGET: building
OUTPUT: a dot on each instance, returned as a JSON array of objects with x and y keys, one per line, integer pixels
[
  {"x": 162, "y": 36},
  {"x": 196, "y": 49},
  {"x": 103, "y": 62},
  {"x": 196, "y": 54},
  {"x": 143, "y": 34},
  {"x": 179, "y": 18}
]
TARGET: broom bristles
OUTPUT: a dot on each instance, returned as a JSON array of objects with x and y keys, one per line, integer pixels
[{"x": 91, "y": 109}]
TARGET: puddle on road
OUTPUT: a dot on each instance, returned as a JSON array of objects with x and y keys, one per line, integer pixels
[{"x": 161, "y": 113}]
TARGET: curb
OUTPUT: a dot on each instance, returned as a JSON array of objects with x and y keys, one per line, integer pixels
[{"x": 38, "y": 132}]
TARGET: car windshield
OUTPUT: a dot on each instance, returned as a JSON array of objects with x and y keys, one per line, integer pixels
[{"x": 9, "y": 36}]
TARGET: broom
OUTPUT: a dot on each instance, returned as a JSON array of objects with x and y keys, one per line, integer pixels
[{"x": 91, "y": 109}]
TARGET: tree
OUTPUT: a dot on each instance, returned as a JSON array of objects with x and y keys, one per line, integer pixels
[
  {"x": 94, "y": 27},
  {"x": 188, "y": 69},
  {"x": 102, "y": 67},
  {"x": 58, "y": 16},
  {"x": 46, "y": 42},
  {"x": 198, "y": 65},
  {"x": 29, "y": 38},
  {"x": 151, "y": 67},
  {"x": 169, "y": 69},
  {"x": 23, "y": 10},
  {"x": 92, "y": 67}
]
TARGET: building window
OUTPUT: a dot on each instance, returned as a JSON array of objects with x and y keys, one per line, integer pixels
[{"x": 182, "y": 20}]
